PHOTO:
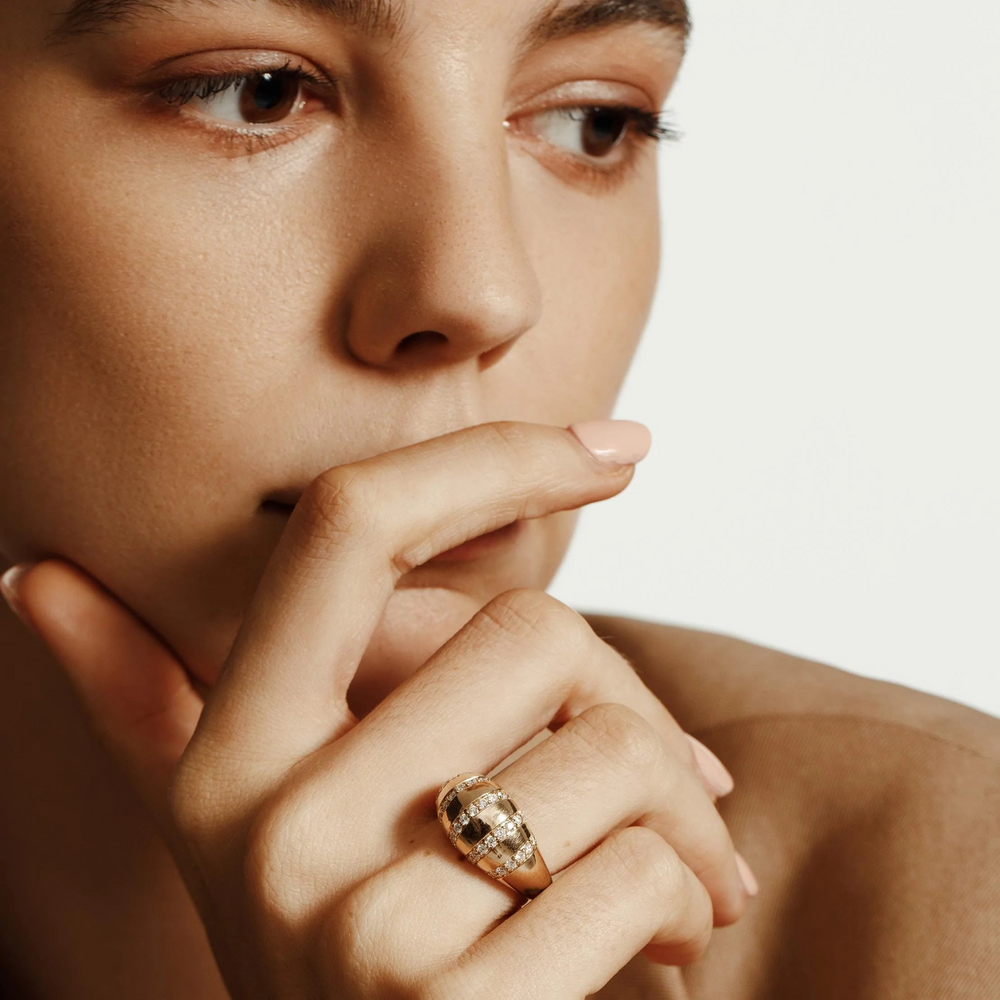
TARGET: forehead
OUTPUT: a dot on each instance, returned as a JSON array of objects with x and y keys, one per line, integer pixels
[{"x": 544, "y": 20}]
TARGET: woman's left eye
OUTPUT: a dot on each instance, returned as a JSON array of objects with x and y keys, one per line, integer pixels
[{"x": 595, "y": 132}]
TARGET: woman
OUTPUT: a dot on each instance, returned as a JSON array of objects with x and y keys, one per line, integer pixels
[{"x": 313, "y": 315}]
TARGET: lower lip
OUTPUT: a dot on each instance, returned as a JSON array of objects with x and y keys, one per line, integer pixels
[{"x": 481, "y": 544}]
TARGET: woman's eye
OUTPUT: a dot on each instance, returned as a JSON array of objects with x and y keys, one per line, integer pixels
[
  {"x": 260, "y": 97},
  {"x": 593, "y": 132},
  {"x": 260, "y": 100}
]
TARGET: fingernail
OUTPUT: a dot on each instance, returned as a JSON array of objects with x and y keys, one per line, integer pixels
[
  {"x": 746, "y": 876},
  {"x": 10, "y": 587},
  {"x": 614, "y": 441},
  {"x": 718, "y": 779}
]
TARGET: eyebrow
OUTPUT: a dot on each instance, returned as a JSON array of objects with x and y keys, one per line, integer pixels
[
  {"x": 85, "y": 17},
  {"x": 384, "y": 17},
  {"x": 560, "y": 20}
]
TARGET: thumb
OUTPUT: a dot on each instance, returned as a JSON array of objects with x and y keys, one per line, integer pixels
[{"x": 137, "y": 696}]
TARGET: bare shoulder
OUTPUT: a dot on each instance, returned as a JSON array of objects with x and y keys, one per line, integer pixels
[
  {"x": 866, "y": 809},
  {"x": 710, "y": 680}
]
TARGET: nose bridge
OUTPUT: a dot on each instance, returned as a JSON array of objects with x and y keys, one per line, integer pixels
[
  {"x": 464, "y": 217},
  {"x": 450, "y": 253}
]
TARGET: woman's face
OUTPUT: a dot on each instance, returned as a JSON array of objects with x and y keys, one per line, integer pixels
[{"x": 204, "y": 303}]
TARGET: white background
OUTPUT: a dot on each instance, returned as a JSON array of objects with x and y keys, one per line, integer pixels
[{"x": 820, "y": 371}]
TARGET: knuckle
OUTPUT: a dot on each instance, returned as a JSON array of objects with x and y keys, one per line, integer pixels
[
  {"x": 189, "y": 798},
  {"x": 518, "y": 452},
  {"x": 691, "y": 933},
  {"x": 268, "y": 891},
  {"x": 337, "y": 507},
  {"x": 730, "y": 907},
  {"x": 208, "y": 789},
  {"x": 656, "y": 874},
  {"x": 277, "y": 872},
  {"x": 622, "y": 736},
  {"x": 356, "y": 943},
  {"x": 535, "y": 616},
  {"x": 505, "y": 438},
  {"x": 511, "y": 439},
  {"x": 648, "y": 862}
]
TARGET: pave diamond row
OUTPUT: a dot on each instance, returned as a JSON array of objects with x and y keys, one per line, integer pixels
[
  {"x": 497, "y": 834},
  {"x": 486, "y": 799},
  {"x": 515, "y": 862},
  {"x": 477, "y": 779}
]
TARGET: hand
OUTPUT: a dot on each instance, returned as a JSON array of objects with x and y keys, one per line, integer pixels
[{"x": 308, "y": 839}]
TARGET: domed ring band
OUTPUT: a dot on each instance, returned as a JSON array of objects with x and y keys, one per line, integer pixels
[{"x": 489, "y": 831}]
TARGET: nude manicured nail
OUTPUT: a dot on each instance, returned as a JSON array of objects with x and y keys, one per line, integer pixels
[
  {"x": 621, "y": 442},
  {"x": 9, "y": 588},
  {"x": 718, "y": 779},
  {"x": 746, "y": 876}
]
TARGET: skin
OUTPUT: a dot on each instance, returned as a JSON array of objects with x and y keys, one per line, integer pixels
[
  {"x": 322, "y": 260},
  {"x": 188, "y": 327}
]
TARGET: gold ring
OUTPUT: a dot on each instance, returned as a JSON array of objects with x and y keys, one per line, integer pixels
[{"x": 489, "y": 831}]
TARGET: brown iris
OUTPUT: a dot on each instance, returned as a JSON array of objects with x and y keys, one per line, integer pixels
[
  {"x": 603, "y": 130},
  {"x": 269, "y": 97}
]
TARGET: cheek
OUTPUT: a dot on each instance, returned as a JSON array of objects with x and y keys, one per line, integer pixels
[
  {"x": 145, "y": 299},
  {"x": 597, "y": 258},
  {"x": 141, "y": 334}
]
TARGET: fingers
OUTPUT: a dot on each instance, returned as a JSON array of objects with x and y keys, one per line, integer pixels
[
  {"x": 603, "y": 770},
  {"x": 631, "y": 893},
  {"x": 355, "y": 531},
  {"x": 137, "y": 696},
  {"x": 522, "y": 661},
  {"x": 622, "y": 750},
  {"x": 608, "y": 768}
]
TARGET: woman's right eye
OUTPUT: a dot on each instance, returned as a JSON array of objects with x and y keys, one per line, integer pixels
[{"x": 256, "y": 97}]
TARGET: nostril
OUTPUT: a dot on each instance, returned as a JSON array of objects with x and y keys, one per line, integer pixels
[{"x": 415, "y": 339}]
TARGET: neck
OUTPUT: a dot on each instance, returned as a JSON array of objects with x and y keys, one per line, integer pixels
[{"x": 91, "y": 894}]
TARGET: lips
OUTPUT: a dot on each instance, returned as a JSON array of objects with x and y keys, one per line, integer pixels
[{"x": 481, "y": 544}]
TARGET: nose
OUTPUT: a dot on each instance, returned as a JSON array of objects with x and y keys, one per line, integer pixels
[{"x": 446, "y": 274}]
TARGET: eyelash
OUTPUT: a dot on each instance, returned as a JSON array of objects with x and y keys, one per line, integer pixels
[{"x": 640, "y": 123}]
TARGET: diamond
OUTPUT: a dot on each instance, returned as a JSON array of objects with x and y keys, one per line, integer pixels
[
  {"x": 478, "y": 779},
  {"x": 494, "y": 837},
  {"x": 519, "y": 858}
]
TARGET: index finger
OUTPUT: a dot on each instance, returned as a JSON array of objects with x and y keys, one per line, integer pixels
[{"x": 355, "y": 531}]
